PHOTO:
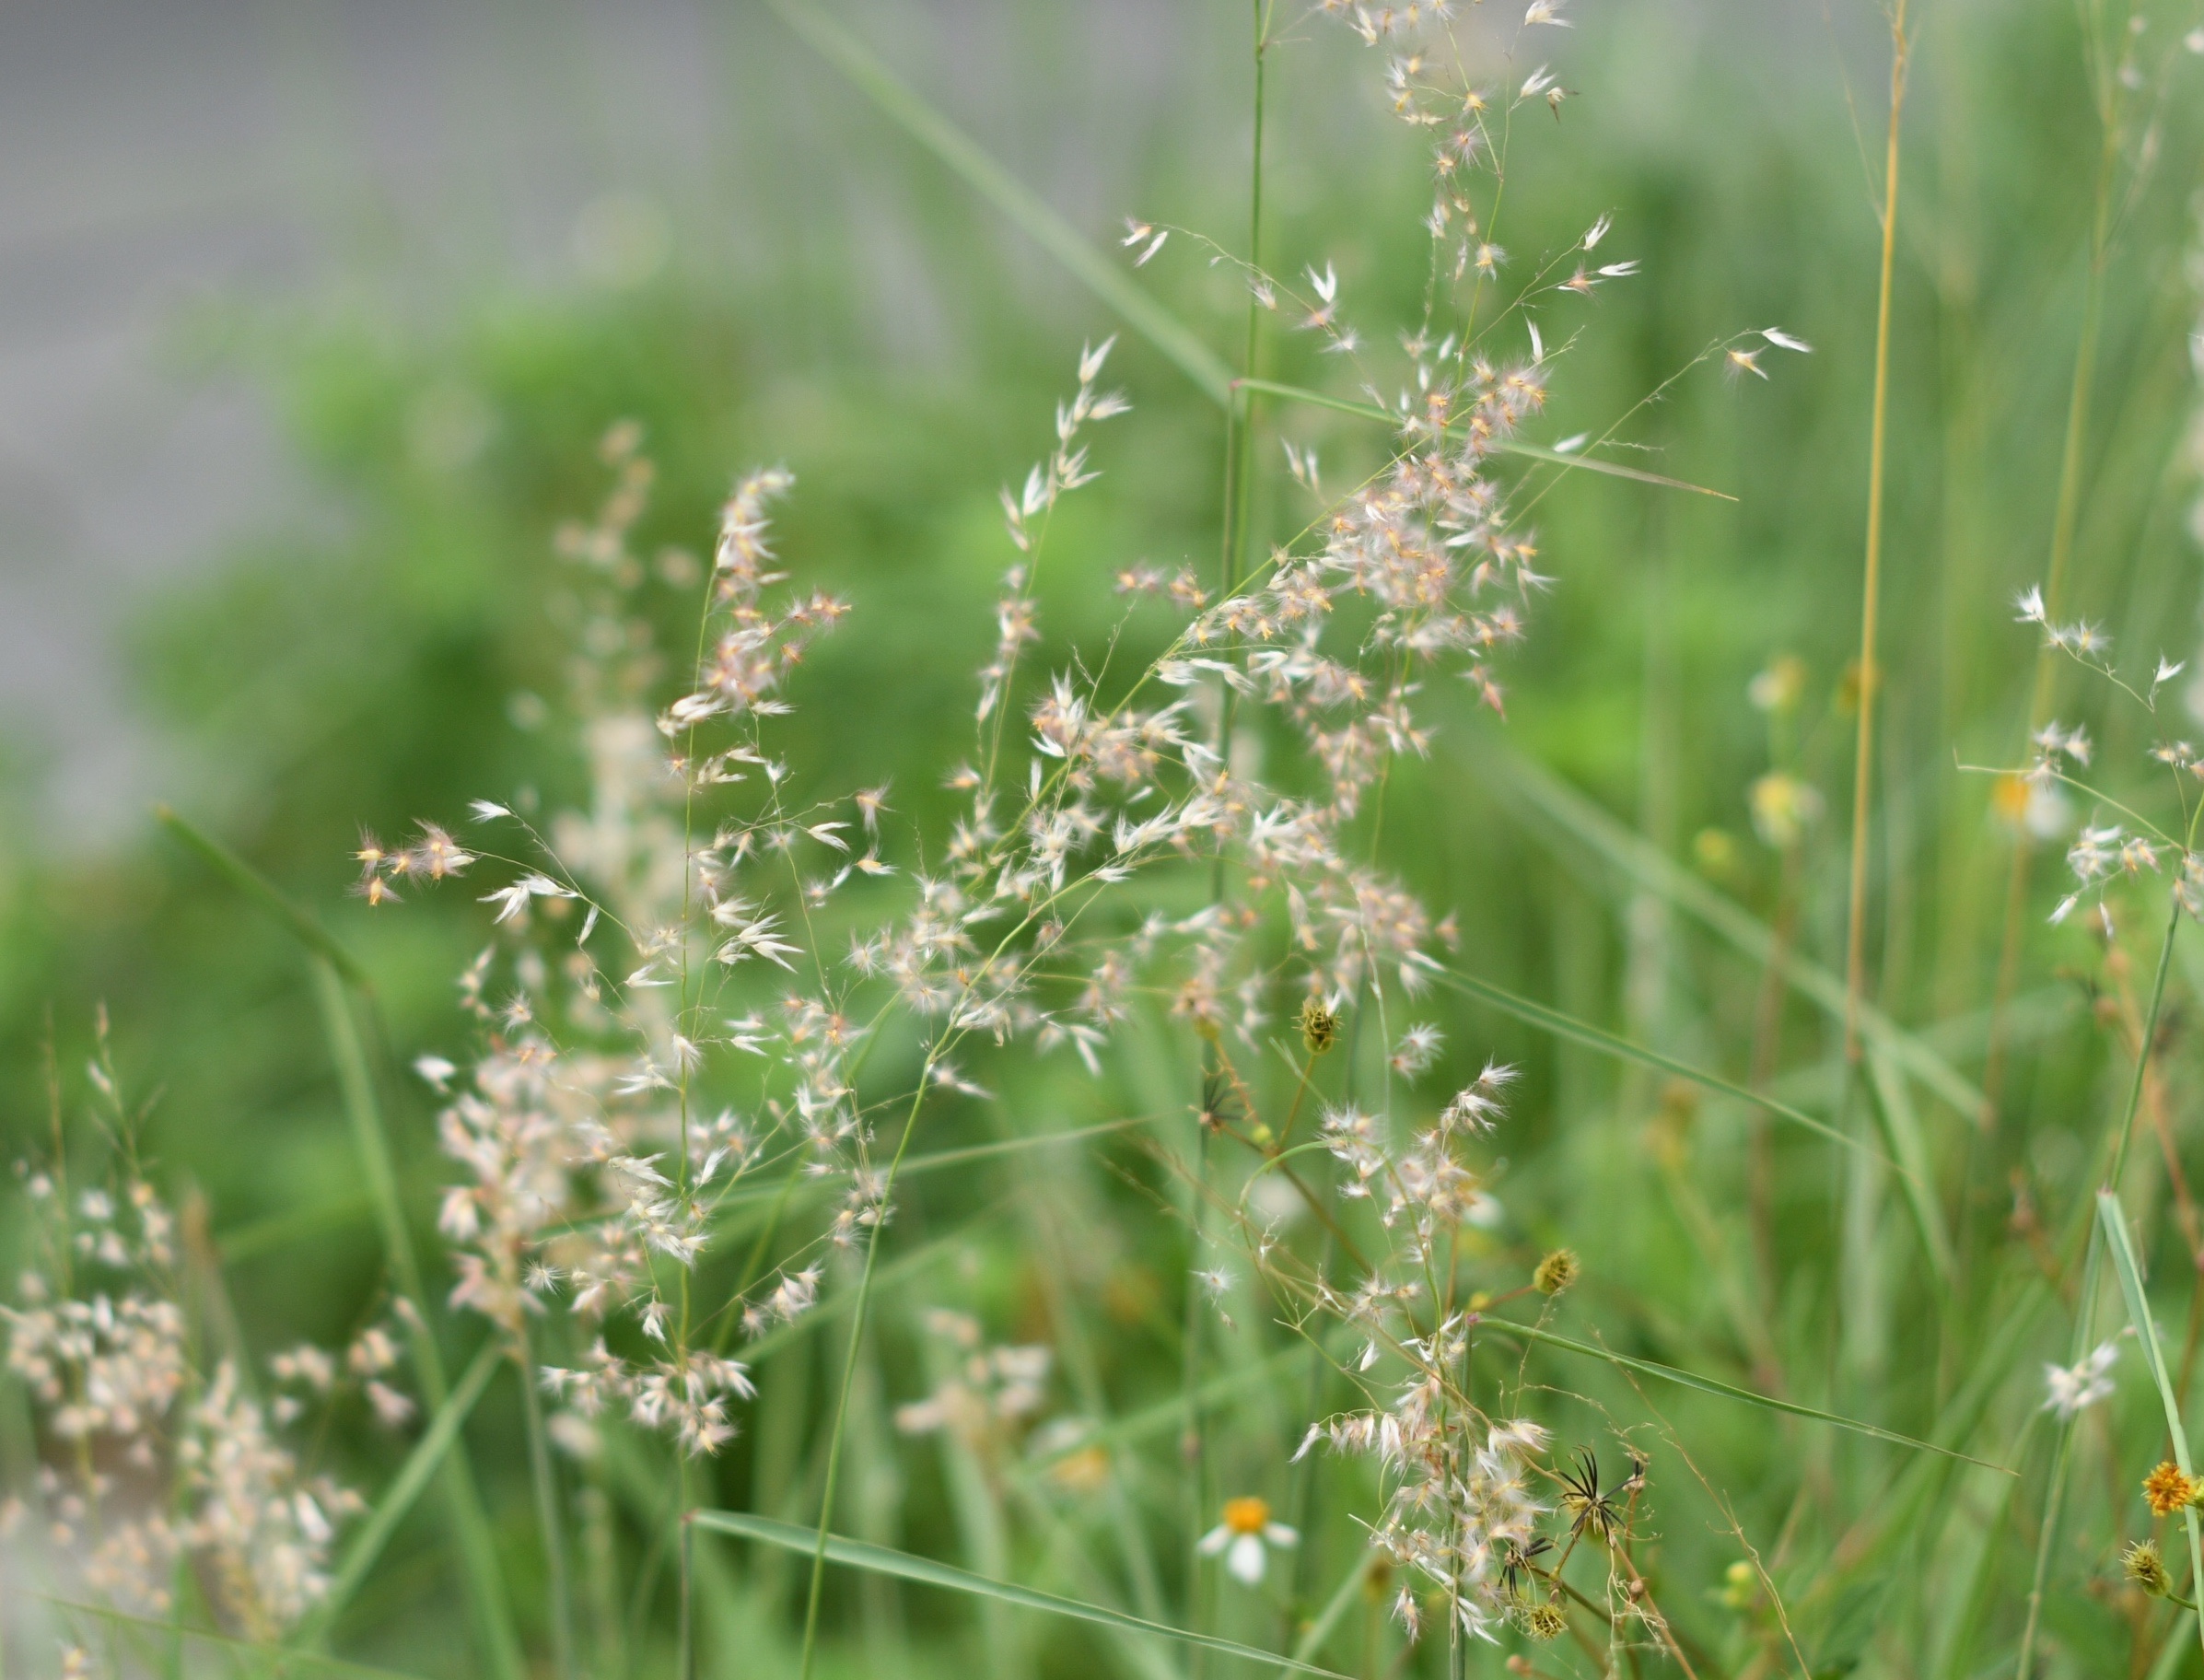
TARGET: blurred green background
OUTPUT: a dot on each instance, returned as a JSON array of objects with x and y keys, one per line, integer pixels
[{"x": 753, "y": 262}]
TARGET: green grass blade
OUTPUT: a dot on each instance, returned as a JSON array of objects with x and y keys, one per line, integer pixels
[
  {"x": 1503, "y": 446},
  {"x": 398, "y": 1498},
  {"x": 880, "y": 1560},
  {"x": 278, "y": 1661},
  {"x": 1598, "y": 1038},
  {"x": 485, "y": 1577},
  {"x": 1901, "y": 1130},
  {"x": 333, "y": 968},
  {"x": 279, "y": 1230},
  {"x": 2115, "y": 1226},
  {"x": 835, "y": 1307},
  {"x": 1165, "y": 1415},
  {"x": 257, "y": 887},
  {"x": 1654, "y": 871},
  {"x": 1023, "y": 207},
  {"x": 1711, "y": 1385},
  {"x": 1318, "y": 1631}
]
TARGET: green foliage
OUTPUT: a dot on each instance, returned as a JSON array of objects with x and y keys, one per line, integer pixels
[{"x": 402, "y": 653}]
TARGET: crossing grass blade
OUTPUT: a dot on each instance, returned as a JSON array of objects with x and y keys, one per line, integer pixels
[
  {"x": 398, "y": 1498},
  {"x": 333, "y": 970},
  {"x": 880, "y": 1560},
  {"x": 277, "y": 1662},
  {"x": 1598, "y": 1038},
  {"x": 263, "y": 892},
  {"x": 1711, "y": 1385},
  {"x": 1649, "y": 866},
  {"x": 1901, "y": 1130},
  {"x": 2114, "y": 1224},
  {"x": 1167, "y": 1415},
  {"x": 1018, "y": 203}
]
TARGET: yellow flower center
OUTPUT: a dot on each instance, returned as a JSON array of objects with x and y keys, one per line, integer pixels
[{"x": 1249, "y": 1516}]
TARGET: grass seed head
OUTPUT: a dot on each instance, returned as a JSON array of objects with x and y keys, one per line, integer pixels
[
  {"x": 2143, "y": 1565},
  {"x": 1555, "y": 1272}
]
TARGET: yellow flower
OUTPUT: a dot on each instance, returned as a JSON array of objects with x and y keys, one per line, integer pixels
[{"x": 2169, "y": 1488}]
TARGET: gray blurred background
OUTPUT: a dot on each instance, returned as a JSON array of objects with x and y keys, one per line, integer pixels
[{"x": 166, "y": 165}]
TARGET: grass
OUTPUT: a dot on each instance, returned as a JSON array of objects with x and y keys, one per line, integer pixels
[{"x": 1840, "y": 1130}]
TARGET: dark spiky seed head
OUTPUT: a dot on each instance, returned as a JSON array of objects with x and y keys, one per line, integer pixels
[{"x": 1555, "y": 1272}]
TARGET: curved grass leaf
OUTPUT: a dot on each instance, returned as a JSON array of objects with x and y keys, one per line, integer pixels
[
  {"x": 2115, "y": 1226},
  {"x": 1711, "y": 1385},
  {"x": 880, "y": 1560}
]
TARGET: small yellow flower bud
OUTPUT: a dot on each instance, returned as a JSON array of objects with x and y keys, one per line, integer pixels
[
  {"x": 1545, "y": 1622},
  {"x": 2143, "y": 1565},
  {"x": 1555, "y": 1272},
  {"x": 1320, "y": 1027}
]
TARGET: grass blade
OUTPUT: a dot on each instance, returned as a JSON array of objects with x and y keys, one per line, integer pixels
[
  {"x": 282, "y": 1230},
  {"x": 333, "y": 968},
  {"x": 835, "y": 1306},
  {"x": 1023, "y": 207},
  {"x": 262, "y": 891},
  {"x": 470, "y": 1527},
  {"x": 1318, "y": 1631},
  {"x": 1711, "y": 1385},
  {"x": 1164, "y": 1414},
  {"x": 1503, "y": 446},
  {"x": 278, "y": 1661},
  {"x": 2114, "y": 1224},
  {"x": 398, "y": 1498},
  {"x": 1901, "y": 1130},
  {"x": 1598, "y": 1038},
  {"x": 857, "y": 1554},
  {"x": 1652, "y": 870}
]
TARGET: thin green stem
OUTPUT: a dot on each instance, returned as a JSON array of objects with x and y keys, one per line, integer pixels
[
  {"x": 850, "y": 1372},
  {"x": 1871, "y": 585},
  {"x": 544, "y": 1479},
  {"x": 472, "y": 1529},
  {"x": 2085, "y": 1307},
  {"x": 2065, "y": 520}
]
